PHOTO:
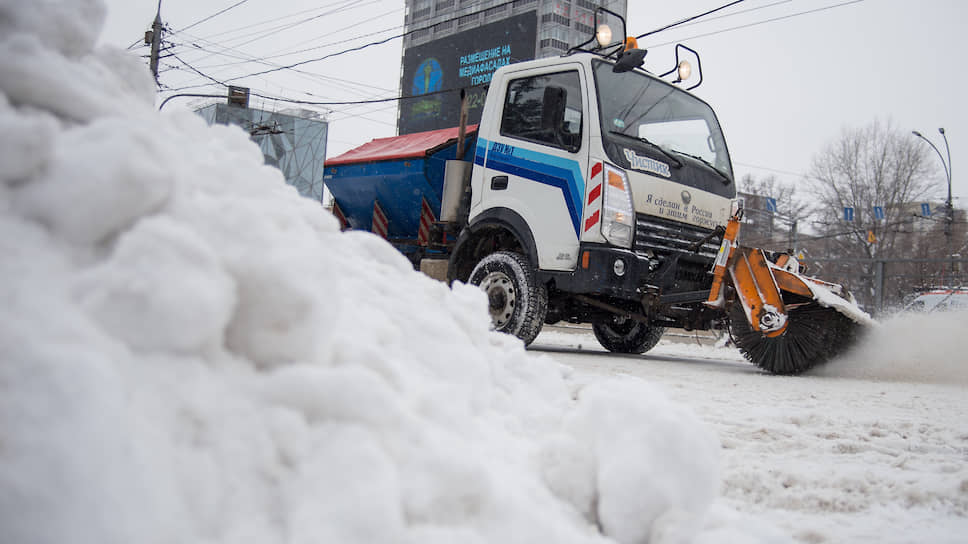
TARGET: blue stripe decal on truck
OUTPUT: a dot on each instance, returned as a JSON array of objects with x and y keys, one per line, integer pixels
[
  {"x": 565, "y": 174},
  {"x": 480, "y": 151}
]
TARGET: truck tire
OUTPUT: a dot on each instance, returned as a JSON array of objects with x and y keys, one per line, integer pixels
[
  {"x": 624, "y": 335},
  {"x": 516, "y": 301}
]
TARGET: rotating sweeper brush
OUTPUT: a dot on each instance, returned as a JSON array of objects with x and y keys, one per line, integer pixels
[
  {"x": 782, "y": 321},
  {"x": 814, "y": 334}
]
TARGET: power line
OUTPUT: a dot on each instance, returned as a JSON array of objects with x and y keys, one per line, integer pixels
[
  {"x": 364, "y": 46},
  {"x": 193, "y": 69},
  {"x": 777, "y": 170},
  {"x": 274, "y": 31},
  {"x": 279, "y": 53},
  {"x": 324, "y": 103},
  {"x": 735, "y": 13},
  {"x": 215, "y": 82},
  {"x": 212, "y": 16},
  {"x": 405, "y": 97},
  {"x": 251, "y": 58},
  {"x": 761, "y": 22},
  {"x": 372, "y": 101},
  {"x": 379, "y": 42},
  {"x": 346, "y": 116},
  {"x": 316, "y": 78},
  {"x": 688, "y": 19},
  {"x": 260, "y": 23},
  {"x": 340, "y": 7},
  {"x": 886, "y": 227}
]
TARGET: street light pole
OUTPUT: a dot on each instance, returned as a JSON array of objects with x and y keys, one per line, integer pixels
[
  {"x": 951, "y": 212},
  {"x": 949, "y": 209}
]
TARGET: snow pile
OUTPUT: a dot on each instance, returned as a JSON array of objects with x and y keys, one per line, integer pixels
[
  {"x": 909, "y": 347},
  {"x": 190, "y": 352}
]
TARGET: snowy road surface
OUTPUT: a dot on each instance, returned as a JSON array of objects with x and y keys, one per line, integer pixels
[
  {"x": 191, "y": 352},
  {"x": 854, "y": 454}
]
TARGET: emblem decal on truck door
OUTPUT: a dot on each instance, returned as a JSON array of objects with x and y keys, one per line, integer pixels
[{"x": 647, "y": 164}]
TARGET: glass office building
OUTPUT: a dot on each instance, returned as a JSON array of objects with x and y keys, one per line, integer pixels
[{"x": 292, "y": 140}]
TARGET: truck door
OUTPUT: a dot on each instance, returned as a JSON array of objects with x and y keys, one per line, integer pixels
[{"x": 536, "y": 158}]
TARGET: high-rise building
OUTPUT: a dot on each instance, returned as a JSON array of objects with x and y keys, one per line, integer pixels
[{"x": 457, "y": 44}]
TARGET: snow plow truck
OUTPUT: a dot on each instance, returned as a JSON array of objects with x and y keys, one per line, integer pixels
[{"x": 593, "y": 191}]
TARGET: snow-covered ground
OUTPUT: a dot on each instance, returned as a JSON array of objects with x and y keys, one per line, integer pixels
[
  {"x": 190, "y": 352},
  {"x": 872, "y": 447}
]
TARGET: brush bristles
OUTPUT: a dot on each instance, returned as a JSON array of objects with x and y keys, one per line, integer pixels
[{"x": 814, "y": 335}]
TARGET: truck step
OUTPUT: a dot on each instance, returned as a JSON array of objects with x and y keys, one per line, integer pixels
[{"x": 686, "y": 297}]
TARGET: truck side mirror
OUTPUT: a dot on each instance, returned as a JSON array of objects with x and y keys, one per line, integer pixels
[{"x": 629, "y": 60}]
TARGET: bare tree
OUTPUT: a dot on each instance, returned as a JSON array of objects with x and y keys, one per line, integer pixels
[
  {"x": 766, "y": 229},
  {"x": 876, "y": 165}
]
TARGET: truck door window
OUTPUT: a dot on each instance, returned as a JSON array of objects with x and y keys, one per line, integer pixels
[{"x": 546, "y": 109}]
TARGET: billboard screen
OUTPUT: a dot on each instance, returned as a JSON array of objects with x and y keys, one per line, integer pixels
[{"x": 464, "y": 60}]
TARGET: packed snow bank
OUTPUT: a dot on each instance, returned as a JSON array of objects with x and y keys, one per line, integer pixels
[
  {"x": 909, "y": 347},
  {"x": 193, "y": 353}
]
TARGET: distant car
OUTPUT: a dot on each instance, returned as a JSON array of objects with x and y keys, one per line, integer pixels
[{"x": 939, "y": 300}]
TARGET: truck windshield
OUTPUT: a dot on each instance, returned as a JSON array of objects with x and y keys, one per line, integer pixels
[{"x": 656, "y": 113}]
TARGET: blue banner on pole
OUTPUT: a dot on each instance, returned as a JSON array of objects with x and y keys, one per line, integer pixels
[
  {"x": 926, "y": 209},
  {"x": 771, "y": 205},
  {"x": 878, "y": 212},
  {"x": 848, "y": 214}
]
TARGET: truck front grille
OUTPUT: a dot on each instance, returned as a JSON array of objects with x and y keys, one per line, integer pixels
[{"x": 664, "y": 238}]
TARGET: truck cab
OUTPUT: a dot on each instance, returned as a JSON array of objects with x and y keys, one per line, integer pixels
[{"x": 611, "y": 185}]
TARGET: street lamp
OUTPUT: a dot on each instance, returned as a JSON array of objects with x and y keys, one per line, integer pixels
[{"x": 949, "y": 211}]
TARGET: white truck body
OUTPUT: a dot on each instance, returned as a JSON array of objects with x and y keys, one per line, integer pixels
[{"x": 594, "y": 192}]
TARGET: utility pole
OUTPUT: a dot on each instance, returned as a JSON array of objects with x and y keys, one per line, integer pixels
[{"x": 153, "y": 37}]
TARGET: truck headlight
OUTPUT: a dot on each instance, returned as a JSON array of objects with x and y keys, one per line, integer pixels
[{"x": 618, "y": 215}]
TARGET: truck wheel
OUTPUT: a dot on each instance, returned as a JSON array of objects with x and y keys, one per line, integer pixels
[
  {"x": 516, "y": 301},
  {"x": 624, "y": 335}
]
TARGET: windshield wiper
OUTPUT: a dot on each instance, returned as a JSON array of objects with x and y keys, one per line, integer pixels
[
  {"x": 676, "y": 162},
  {"x": 726, "y": 179}
]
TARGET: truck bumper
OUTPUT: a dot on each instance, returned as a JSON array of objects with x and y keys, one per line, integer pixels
[{"x": 605, "y": 270}]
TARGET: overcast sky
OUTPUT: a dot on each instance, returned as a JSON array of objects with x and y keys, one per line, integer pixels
[{"x": 785, "y": 76}]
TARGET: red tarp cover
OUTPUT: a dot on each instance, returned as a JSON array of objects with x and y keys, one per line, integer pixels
[{"x": 408, "y": 146}]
